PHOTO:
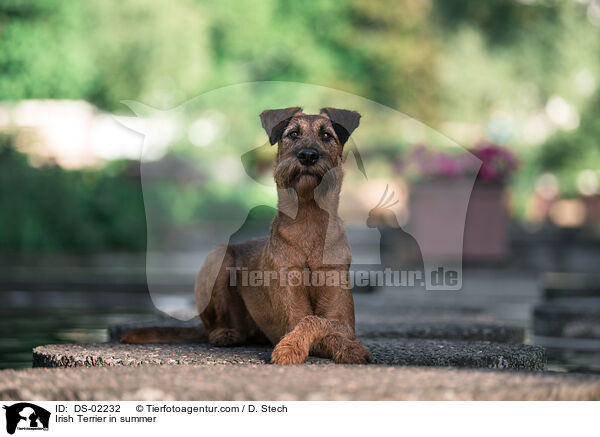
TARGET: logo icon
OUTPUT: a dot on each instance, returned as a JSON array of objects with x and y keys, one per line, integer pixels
[{"x": 26, "y": 416}]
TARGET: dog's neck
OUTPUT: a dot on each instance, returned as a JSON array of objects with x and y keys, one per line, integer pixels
[{"x": 301, "y": 204}]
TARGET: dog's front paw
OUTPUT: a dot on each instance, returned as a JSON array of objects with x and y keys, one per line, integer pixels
[
  {"x": 353, "y": 352},
  {"x": 224, "y": 337},
  {"x": 285, "y": 353}
]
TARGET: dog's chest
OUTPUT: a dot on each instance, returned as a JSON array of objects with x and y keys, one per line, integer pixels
[
  {"x": 305, "y": 237},
  {"x": 304, "y": 245}
]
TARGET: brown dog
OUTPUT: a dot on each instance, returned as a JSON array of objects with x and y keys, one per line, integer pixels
[{"x": 307, "y": 235}]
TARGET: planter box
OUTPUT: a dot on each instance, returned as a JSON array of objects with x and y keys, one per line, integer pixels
[{"x": 449, "y": 220}]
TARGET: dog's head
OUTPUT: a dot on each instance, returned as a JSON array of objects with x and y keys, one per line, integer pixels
[{"x": 309, "y": 145}]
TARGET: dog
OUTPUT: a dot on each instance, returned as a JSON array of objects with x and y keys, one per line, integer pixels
[{"x": 298, "y": 317}]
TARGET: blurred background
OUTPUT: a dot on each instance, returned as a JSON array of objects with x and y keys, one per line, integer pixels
[{"x": 516, "y": 82}]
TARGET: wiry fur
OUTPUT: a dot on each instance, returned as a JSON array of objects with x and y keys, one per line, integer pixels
[{"x": 306, "y": 233}]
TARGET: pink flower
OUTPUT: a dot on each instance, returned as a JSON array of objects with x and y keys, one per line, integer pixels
[{"x": 497, "y": 163}]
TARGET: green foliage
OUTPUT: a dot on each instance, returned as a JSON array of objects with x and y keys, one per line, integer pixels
[
  {"x": 49, "y": 208},
  {"x": 105, "y": 51},
  {"x": 504, "y": 61},
  {"x": 568, "y": 153},
  {"x": 42, "y": 53},
  {"x": 461, "y": 62}
]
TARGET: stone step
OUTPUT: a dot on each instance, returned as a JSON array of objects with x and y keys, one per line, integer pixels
[
  {"x": 570, "y": 285},
  {"x": 569, "y": 319},
  {"x": 314, "y": 382},
  {"x": 422, "y": 330},
  {"x": 406, "y": 352},
  {"x": 569, "y": 330},
  {"x": 444, "y": 331}
]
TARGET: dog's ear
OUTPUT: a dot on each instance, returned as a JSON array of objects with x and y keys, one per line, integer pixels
[
  {"x": 274, "y": 121},
  {"x": 343, "y": 121}
]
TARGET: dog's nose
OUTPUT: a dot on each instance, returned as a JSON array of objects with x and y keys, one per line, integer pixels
[{"x": 308, "y": 156}]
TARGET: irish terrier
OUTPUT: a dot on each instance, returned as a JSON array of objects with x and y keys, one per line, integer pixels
[{"x": 307, "y": 235}]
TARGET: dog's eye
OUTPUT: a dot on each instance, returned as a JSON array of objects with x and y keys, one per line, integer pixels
[
  {"x": 293, "y": 134},
  {"x": 327, "y": 136}
]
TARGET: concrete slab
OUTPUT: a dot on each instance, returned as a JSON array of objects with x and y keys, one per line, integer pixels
[
  {"x": 408, "y": 352},
  {"x": 314, "y": 382},
  {"x": 445, "y": 330}
]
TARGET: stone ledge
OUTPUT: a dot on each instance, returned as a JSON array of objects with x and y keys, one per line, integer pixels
[
  {"x": 315, "y": 382},
  {"x": 443, "y": 353},
  {"x": 422, "y": 330},
  {"x": 444, "y": 331},
  {"x": 407, "y": 352}
]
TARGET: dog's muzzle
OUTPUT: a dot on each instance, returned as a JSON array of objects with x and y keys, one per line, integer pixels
[{"x": 308, "y": 157}]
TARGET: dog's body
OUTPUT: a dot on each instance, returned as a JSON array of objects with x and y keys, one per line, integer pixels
[{"x": 297, "y": 318}]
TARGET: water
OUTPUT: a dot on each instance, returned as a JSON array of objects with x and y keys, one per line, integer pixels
[{"x": 30, "y": 319}]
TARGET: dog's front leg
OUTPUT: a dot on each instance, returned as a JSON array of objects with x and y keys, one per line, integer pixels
[
  {"x": 324, "y": 338},
  {"x": 341, "y": 348},
  {"x": 295, "y": 346},
  {"x": 335, "y": 304}
]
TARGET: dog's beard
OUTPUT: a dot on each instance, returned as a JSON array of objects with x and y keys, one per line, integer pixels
[
  {"x": 305, "y": 185},
  {"x": 289, "y": 173}
]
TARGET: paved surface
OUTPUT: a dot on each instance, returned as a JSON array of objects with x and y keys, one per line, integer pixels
[
  {"x": 391, "y": 321},
  {"x": 313, "y": 382},
  {"x": 404, "y": 352}
]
